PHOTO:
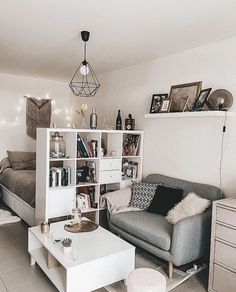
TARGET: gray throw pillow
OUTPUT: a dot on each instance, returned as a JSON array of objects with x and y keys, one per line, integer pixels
[
  {"x": 142, "y": 194},
  {"x": 22, "y": 160}
]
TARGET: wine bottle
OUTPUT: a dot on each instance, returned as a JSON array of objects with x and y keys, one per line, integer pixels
[
  {"x": 118, "y": 121},
  {"x": 93, "y": 119}
]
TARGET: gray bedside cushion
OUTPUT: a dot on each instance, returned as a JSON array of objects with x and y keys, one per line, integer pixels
[{"x": 149, "y": 227}]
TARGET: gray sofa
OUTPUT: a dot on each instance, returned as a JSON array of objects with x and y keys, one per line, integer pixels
[{"x": 178, "y": 244}]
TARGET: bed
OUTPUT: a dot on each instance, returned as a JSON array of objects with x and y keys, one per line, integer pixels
[{"x": 17, "y": 180}]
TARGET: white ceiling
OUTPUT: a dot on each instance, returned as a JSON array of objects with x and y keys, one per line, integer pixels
[{"x": 41, "y": 37}]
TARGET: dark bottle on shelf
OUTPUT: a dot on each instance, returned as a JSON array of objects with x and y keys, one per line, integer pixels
[{"x": 118, "y": 121}]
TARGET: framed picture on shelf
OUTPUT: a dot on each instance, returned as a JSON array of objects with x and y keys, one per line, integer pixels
[
  {"x": 83, "y": 201},
  {"x": 130, "y": 170},
  {"x": 131, "y": 145},
  {"x": 183, "y": 96},
  {"x": 156, "y": 102},
  {"x": 202, "y": 97},
  {"x": 165, "y": 105}
]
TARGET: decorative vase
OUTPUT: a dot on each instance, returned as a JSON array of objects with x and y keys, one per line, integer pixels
[{"x": 66, "y": 249}]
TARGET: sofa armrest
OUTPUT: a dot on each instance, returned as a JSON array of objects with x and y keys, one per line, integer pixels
[{"x": 191, "y": 238}]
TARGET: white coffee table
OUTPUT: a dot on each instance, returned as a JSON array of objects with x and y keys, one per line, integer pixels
[{"x": 102, "y": 258}]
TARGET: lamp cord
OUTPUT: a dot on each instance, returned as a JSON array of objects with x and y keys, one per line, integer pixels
[
  {"x": 85, "y": 51},
  {"x": 222, "y": 151}
]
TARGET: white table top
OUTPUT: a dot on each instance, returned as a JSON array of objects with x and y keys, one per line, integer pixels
[{"x": 89, "y": 246}]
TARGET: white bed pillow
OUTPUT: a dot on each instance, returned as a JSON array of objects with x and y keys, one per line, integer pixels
[{"x": 191, "y": 205}]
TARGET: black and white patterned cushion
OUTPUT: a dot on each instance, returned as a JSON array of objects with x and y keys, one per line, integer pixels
[{"x": 142, "y": 194}]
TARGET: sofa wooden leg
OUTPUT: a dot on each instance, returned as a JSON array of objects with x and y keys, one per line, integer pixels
[{"x": 171, "y": 267}]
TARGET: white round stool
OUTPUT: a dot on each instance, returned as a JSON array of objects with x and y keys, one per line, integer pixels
[{"x": 146, "y": 280}]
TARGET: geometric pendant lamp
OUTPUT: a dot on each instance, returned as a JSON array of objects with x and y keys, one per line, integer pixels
[{"x": 84, "y": 82}]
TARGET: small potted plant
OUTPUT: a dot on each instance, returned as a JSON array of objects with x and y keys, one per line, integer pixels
[{"x": 66, "y": 245}]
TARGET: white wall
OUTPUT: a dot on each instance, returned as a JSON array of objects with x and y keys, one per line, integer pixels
[
  {"x": 12, "y": 90},
  {"x": 184, "y": 148}
]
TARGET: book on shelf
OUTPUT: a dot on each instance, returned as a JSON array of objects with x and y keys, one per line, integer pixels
[
  {"x": 131, "y": 145},
  {"x": 82, "y": 152},
  {"x": 59, "y": 176},
  {"x": 86, "y": 148},
  {"x": 94, "y": 147}
]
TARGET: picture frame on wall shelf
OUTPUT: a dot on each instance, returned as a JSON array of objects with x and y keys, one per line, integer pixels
[
  {"x": 201, "y": 100},
  {"x": 183, "y": 96},
  {"x": 165, "y": 106},
  {"x": 157, "y": 102}
]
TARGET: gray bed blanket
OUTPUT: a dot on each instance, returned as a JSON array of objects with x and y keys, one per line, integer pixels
[{"x": 21, "y": 183}]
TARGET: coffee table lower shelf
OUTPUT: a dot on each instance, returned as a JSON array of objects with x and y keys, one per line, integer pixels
[{"x": 56, "y": 275}]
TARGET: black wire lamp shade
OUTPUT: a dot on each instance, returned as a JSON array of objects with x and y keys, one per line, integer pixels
[{"x": 84, "y": 82}]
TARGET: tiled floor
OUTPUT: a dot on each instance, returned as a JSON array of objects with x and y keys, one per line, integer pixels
[{"x": 16, "y": 274}]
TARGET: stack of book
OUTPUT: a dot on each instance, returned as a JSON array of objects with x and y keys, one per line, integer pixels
[
  {"x": 86, "y": 148},
  {"x": 59, "y": 176}
]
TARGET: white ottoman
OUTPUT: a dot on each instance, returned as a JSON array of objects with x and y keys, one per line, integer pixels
[{"x": 146, "y": 280}]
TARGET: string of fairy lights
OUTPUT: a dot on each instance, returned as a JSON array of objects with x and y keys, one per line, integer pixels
[{"x": 21, "y": 104}]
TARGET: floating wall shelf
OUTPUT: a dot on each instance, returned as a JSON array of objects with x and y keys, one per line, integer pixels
[{"x": 189, "y": 114}]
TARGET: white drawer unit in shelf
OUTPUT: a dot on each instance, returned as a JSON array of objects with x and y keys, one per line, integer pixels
[
  {"x": 110, "y": 164},
  {"x": 110, "y": 176},
  {"x": 222, "y": 275},
  {"x": 57, "y": 200}
]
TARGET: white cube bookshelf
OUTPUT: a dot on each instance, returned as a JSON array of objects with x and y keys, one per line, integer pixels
[{"x": 52, "y": 202}]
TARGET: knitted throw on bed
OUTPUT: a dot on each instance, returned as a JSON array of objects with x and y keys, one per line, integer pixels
[{"x": 38, "y": 115}]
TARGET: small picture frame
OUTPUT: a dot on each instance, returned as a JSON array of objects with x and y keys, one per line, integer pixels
[
  {"x": 157, "y": 102},
  {"x": 165, "y": 106},
  {"x": 202, "y": 97},
  {"x": 83, "y": 201}
]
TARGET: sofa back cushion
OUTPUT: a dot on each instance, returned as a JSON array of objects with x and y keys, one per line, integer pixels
[
  {"x": 206, "y": 191},
  {"x": 142, "y": 194},
  {"x": 165, "y": 199},
  {"x": 191, "y": 205}
]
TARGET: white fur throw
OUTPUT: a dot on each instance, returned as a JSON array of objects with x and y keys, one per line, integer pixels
[{"x": 191, "y": 205}]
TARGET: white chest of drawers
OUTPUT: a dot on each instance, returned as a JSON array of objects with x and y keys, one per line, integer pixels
[{"x": 222, "y": 275}]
